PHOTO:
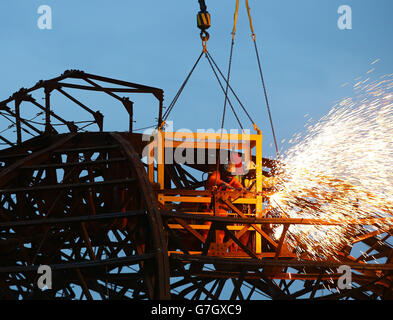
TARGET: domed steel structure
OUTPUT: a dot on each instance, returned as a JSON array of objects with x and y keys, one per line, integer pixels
[{"x": 112, "y": 222}]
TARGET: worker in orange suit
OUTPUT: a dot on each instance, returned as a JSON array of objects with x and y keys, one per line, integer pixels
[
  {"x": 223, "y": 180},
  {"x": 234, "y": 178}
]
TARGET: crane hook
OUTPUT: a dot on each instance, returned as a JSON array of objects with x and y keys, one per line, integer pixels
[
  {"x": 204, "y": 37},
  {"x": 203, "y": 23}
]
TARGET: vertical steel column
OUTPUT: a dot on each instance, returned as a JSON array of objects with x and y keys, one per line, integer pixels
[
  {"x": 259, "y": 185},
  {"x": 17, "y": 121},
  {"x": 47, "y": 109},
  {"x": 161, "y": 106},
  {"x": 131, "y": 115},
  {"x": 150, "y": 161},
  {"x": 161, "y": 157},
  {"x": 129, "y": 105}
]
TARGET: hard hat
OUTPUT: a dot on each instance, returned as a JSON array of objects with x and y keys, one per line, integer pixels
[
  {"x": 236, "y": 159},
  {"x": 235, "y": 164}
]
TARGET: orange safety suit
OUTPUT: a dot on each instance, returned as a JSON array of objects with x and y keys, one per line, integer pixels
[{"x": 214, "y": 179}]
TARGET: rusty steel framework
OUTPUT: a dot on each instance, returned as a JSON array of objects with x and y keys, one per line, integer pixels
[{"x": 85, "y": 204}]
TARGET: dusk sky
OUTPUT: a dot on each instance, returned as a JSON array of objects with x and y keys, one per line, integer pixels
[
  {"x": 309, "y": 63},
  {"x": 306, "y": 58}
]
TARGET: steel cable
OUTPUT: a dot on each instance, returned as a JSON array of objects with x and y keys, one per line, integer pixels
[{"x": 172, "y": 104}]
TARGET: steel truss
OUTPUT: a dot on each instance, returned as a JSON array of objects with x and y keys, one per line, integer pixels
[{"x": 82, "y": 203}]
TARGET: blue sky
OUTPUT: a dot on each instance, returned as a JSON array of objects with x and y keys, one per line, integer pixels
[{"x": 305, "y": 57}]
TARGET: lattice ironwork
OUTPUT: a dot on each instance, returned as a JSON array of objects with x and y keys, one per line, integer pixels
[{"x": 85, "y": 204}]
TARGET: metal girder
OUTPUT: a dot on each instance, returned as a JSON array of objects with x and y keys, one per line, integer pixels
[
  {"x": 86, "y": 204},
  {"x": 14, "y": 115},
  {"x": 83, "y": 204}
]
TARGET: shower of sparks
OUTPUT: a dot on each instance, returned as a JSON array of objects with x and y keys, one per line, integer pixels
[{"x": 341, "y": 169}]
